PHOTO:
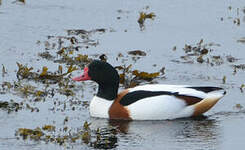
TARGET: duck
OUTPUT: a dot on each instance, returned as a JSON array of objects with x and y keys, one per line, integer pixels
[{"x": 145, "y": 102}]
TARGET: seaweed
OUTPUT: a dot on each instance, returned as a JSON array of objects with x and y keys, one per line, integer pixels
[
  {"x": 25, "y": 72},
  {"x": 101, "y": 138},
  {"x": 66, "y": 49},
  {"x": 143, "y": 16},
  {"x": 145, "y": 75},
  {"x": 132, "y": 78},
  {"x": 235, "y": 16},
  {"x": 48, "y": 128},
  {"x": 238, "y": 106},
  {"x": 137, "y": 52},
  {"x": 6, "y": 86},
  {"x": 242, "y": 87},
  {"x": 46, "y": 55},
  {"x": 240, "y": 66},
  {"x": 224, "y": 79},
  {"x": 202, "y": 53},
  {"x": 4, "y": 71},
  {"x": 231, "y": 59},
  {"x": 10, "y": 106},
  {"x": 34, "y": 134}
]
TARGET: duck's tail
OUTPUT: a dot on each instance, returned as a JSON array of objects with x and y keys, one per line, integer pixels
[{"x": 211, "y": 99}]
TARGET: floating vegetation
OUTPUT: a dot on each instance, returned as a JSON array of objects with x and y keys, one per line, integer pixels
[
  {"x": 82, "y": 58},
  {"x": 48, "y": 128},
  {"x": 137, "y": 52},
  {"x": 143, "y": 16},
  {"x": 66, "y": 91},
  {"x": 10, "y": 106},
  {"x": 242, "y": 87},
  {"x": 101, "y": 138},
  {"x": 237, "y": 14},
  {"x": 26, "y": 88},
  {"x": 202, "y": 53},
  {"x": 4, "y": 71},
  {"x": 231, "y": 59},
  {"x": 241, "y": 66},
  {"x": 5, "y": 86},
  {"x": 67, "y": 49},
  {"x": 67, "y": 57},
  {"x": 132, "y": 78},
  {"x": 84, "y": 32},
  {"x": 34, "y": 134},
  {"x": 145, "y": 75},
  {"x": 46, "y": 55},
  {"x": 224, "y": 79},
  {"x": 238, "y": 106},
  {"x": 25, "y": 72}
]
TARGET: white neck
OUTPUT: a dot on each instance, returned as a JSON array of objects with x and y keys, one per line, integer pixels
[{"x": 99, "y": 107}]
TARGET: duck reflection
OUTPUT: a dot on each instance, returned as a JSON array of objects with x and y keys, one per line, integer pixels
[
  {"x": 121, "y": 125},
  {"x": 184, "y": 133},
  {"x": 200, "y": 132}
]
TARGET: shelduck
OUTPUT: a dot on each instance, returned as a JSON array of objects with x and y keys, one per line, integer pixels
[{"x": 145, "y": 102}]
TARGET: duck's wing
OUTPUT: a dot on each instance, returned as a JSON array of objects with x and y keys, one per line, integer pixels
[{"x": 190, "y": 94}]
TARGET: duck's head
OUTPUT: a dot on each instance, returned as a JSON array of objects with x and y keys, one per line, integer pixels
[
  {"x": 100, "y": 72},
  {"x": 105, "y": 75}
]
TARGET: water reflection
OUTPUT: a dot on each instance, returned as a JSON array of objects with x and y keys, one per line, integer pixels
[
  {"x": 121, "y": 125},
  {"x": 171, "y": 134},
  {"x": 204, "y": 133}
]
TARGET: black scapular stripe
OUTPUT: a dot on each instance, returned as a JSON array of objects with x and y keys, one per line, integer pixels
[
  {"x": 138, "y": 95},
  {"x": 141, "y": 94},
  {"x": 206, "y": 89}
]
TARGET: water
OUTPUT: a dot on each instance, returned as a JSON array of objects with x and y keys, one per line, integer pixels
[{"x": 176, "y": 24}]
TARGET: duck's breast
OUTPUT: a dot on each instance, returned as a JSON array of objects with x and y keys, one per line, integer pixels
[{"x": 99, "y": 107}]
